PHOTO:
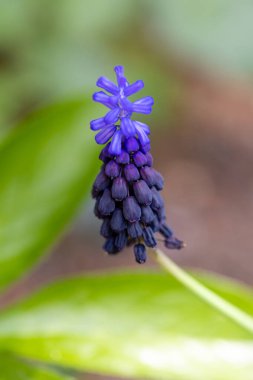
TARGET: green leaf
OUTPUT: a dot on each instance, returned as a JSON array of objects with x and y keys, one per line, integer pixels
[
  {"x": 12, "y": 368},
  {"x": 139, "y": 324},
  {"x": 46, "y": 167},
  {"x": 212, "y": 32}
]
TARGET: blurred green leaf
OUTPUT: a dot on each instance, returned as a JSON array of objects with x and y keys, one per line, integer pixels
[
  {"x": 212, "y": 32},
  {"x": 139, "y": 324},
  {"x": 12, "y": 368},
  {"x": 46, "y": 167}
]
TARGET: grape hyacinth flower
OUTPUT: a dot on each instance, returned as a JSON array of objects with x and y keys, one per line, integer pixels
[{"x": 127, "y": 188}]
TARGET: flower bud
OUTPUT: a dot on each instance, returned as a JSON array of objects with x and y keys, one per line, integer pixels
[
  {"x": 112, "y": 169},
  {"x": 118, "y": 222},
  {"x": 131, "y": 173},
  {"x": 142, "y": 193},
  {"x": 140, "y": 159},
  {"x": 134, "y": 230},
  {"x": 106, "y": 204},
  {"x": 119, "y": 189},
  {"x": 140, "y": 253},
  {"x": 131, "y": 209}
]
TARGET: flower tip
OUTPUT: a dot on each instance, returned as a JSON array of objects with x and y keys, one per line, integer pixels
[{"x": 119, "y": 69}]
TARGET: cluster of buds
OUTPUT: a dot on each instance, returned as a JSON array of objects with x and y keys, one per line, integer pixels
[{"x": 127, "y": 188}]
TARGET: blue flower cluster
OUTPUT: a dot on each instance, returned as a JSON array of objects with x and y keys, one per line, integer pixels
[{"x": 127, "y": 188}]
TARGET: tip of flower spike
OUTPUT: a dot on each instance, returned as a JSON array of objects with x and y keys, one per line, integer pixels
[
  {"x": 119, "y": 70},
  {"x": 116, "y": 99}
]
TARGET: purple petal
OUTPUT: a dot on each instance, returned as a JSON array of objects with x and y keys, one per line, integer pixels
[
  {"x": 133, "y": 88},
  {"x": 112, "y": 116},
  {"x": 105, "y": 134},
  {"x": 119, "y": 70},
  {"x": 115, "y": 146},
  {"x": 97, "y": 124},
  {"x": 106, "y": 100},
  {"x": 127, "y": 127},
  {"x": 141, "y": 109},
  {"x": 143, "y": 137},
  {"x": 107, "y": 85},
  {"x": 126, "y": 105},
  {"x": 146, "y": 101},
  {"x": 144, "y": 126}
]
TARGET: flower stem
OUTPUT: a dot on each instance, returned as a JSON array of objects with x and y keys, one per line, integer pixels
[{"x": 207, "y": 295}]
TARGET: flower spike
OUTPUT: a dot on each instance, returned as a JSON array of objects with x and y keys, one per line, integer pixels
[{"x": 127, "y": 188}]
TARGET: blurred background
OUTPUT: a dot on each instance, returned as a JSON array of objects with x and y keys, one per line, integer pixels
[{"x": 196, "y": 59}]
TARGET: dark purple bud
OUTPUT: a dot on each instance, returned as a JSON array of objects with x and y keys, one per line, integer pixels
[
  {"x": 100, "y": 184},
  {"x": 110, "y": 247},
  {"x": 112, "y": 116},
  {"x": 165, "y": 231},
  {"x": 127, "y": 127},
  {"x": 149, "y": 159},
  {"x": 107, "y": 85},
  {"x": 157, "y": 201},
  {"x": 161, "y": 214},
  {"x": 121, "y": 240},
  {"x": 140, "y": 159},
  {"x": 133, "y": 88},
  {"x": 142, "y": 193},
  {"x": 119, "y": 189},
  {"x": 131, "y": 145},
  {"x": 159, "y": 181},
  {"x": 131, "y": 209},
  {"x": 105, "y": 134},
  {"x": 118, "y": 222},
  {"x": 134, "y": 230},
  {"x": 104, "y": 154},
  {"x": 148, "y": 237},
  {"x": 146, "y": 148},
  {"x": 140, "y": 253},
  {"x": 96, "y": 210},
  {"x": 97, "y": 124},
  {"x": 148, "y": 174},
  {"x": 106, "y": 204},
  {"x": 147, "y": 215},
  {"x": 131, "y": 173},
  {"x": 155, "y": 225},
  {"x": 123, "y": 158},
  {"x": 105, "y": 229},
  {"x": 115, "y": 146},
  {"x": 112, "y": 169},
  {"x": 174, "y": 243}
]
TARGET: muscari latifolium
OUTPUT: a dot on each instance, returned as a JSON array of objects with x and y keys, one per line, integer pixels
[{"x": 127, "y": 188}]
